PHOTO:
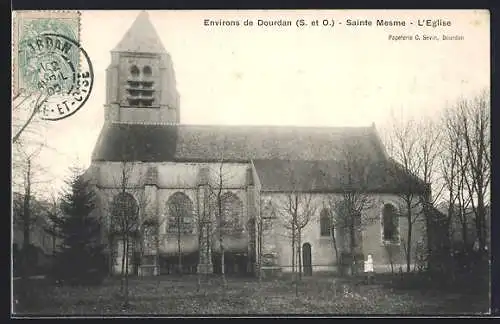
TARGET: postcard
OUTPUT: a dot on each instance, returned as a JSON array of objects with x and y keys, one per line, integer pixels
[{"x": 251, "y": 163}]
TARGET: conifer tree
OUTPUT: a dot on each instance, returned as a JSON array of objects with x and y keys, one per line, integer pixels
[{"x": 80, "y": 257}]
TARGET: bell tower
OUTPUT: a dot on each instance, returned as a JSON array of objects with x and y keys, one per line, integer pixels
[{"x": 140, "y": 81}]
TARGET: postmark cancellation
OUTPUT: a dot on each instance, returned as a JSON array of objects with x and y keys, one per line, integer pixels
[{"x": 49, "y": 62}]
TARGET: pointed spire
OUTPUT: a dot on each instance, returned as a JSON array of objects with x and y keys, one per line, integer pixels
[{"x": 141, "y": 37}]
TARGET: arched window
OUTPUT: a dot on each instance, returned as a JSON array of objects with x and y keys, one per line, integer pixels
[
  {"x": 147, "y": 71},
  {"x": 232, "y": 213},
  {"x": 325, "y": 223},
  {"x": 124, "y": 213},
  {"x": 134, "y": 71},
  {"x": 180, "y": 212},
  {"x": 390, "y": 223}
]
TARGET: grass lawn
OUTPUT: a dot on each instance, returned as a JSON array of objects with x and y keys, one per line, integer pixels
[{"x": 317, "y": 295}]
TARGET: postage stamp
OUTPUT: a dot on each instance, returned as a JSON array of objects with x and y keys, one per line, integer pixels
[{"x": 49, "y": 62}]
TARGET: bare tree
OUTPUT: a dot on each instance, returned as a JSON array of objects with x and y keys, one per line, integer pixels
[
  {"x": 125, "y": 214},
  {"x": 203, "y": 222},
  {"x": 217, "y": 198},
  {"x": 149, "y": 240},
  {"x": 440, "y": 231},
  {"x": 429, "y": 148},
  {"x": 179, "y": 210},
  {"x": 454, "y": 166},
  {"x": 474, "y": 123},
  {"x": 389, "y": 250},
  {"x": 132, "y": 223},
  {"x": 306, "y": 213},
  {"x": 333, "y": 227},
  {"x": 129, "y": 220},
  {"x": 25, "y": 108},
  {"x": 53, "y": 212},
  {"x": 404, "y": 146},
  {"x": 466, "y": 166},
  {"x": 450, "y": 167},
  {"x": 348, "y": 214},
  {"x": 28, "y": 174},
  {"x": 28, "y": 171},
  {"x": 295, "y": 209},
  {"x": 217, "y": 206},
  {"x": 266, "y": 216}
]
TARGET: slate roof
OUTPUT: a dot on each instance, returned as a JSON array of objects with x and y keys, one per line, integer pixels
[
  {"x": 331, "y": 176},
  {"x": 206, "y": 143},
  {"x": 313, "y": 153},
  {"x": 141, "y": 37}
]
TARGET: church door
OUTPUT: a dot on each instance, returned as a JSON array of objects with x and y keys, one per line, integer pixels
[{"x": 306, "y": 259}]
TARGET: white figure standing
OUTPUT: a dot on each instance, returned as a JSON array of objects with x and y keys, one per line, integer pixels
[{"x": 369, "y": 269}]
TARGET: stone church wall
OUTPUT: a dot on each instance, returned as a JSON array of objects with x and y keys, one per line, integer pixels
[
  {"x": 277, "y": 239},
  {"x": 174, "y": 178},
  {"x": 184, "y": 178}
]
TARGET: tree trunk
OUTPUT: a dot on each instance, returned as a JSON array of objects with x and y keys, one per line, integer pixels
[
  {"x": 463, "y": 219},
  {"x": 53, "y": 242},
  {"x": 430, "y": 233},
  {"x": 200, "y": 241},
  {"x": 111, "y": 255},
  {"x": 222, "y": 261},
  {"x": 179, "y": 245},
  {"x": 200, "y": 253},
  {"x": 352, "y": 242},
  {"x": 297, "y": 270},
  {"x": 208, "y": 247},
  {"x": 293, "y": 249},
  {"x": 296, "y": 283},
  {"x": 464, "y": 233},
  {"x": 198, "y": 283},
  {"x": 481, "y": 220},
  {"x": 36, "y": 108},
  {"x": 334, "y": 242},
  {"x": 122, "y": 281},
  {"x": 259, "y": 229},
  {"x": 24, "y": 294},
  {"x": 126, "y": 270},
  {"x": 408, "y": 249},
  {"x": 299, "y": 248},
  {"x": 26, "y": 229}
]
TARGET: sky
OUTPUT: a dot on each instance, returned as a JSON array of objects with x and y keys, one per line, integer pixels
[{"x": 306, "y": 76}]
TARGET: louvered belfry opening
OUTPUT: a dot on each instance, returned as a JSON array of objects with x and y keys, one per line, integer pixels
[{"x": 140, "y": 87}]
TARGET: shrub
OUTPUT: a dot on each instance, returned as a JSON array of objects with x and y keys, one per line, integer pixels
[{"x": 350, "y": 263}]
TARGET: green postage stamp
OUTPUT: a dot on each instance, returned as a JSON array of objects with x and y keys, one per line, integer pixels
[{"x": 49, "y": 62}]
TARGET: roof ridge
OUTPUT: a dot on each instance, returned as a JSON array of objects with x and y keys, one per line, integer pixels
[
  {"x": 367, "y": 127},
  {"x": 314, "y": 160},
  {"x": 244, "y": 126}
]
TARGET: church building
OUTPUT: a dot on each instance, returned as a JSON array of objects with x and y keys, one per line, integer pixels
[{"x": 269, "y": 195}]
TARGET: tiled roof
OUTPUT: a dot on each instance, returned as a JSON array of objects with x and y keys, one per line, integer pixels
[{"x": 159, "y": 143}]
